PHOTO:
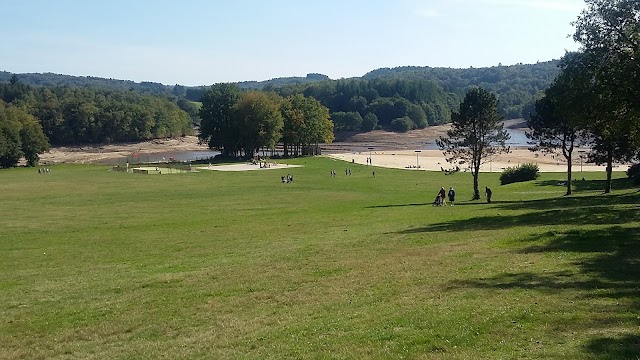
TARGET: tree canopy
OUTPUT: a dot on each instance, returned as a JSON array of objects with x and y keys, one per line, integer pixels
[
  {"x": 20, "y": 136},
  {"x": 476, "y": 133}
]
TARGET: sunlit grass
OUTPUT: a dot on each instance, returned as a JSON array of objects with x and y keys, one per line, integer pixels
[{"x": 100, "y": 264}]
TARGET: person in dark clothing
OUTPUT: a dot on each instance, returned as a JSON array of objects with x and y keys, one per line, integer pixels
[
  {"x": 487, "y": 191},
  {"x": 452, "y": 195}
]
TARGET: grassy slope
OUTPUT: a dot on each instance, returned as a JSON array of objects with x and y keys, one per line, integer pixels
[{"x": 97, "y": 264}]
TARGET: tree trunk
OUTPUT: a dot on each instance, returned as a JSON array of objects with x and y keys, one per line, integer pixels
[
  {"x": 569, "y": 165},
  {"x": 476, "y": 191},
  {"x": 607, "y": 188}
]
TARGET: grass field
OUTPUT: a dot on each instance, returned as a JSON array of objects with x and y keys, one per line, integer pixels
[{"x": 99, "y": 264}]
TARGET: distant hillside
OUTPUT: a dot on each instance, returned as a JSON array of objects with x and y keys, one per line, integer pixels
[
  {"x": 277, "y": 82},
  {"x": 51, "y": 79},
  {"x": 516, "y": 85},
  {"x": 533, "y": 77},
  {"x": 191, "y": 92}
]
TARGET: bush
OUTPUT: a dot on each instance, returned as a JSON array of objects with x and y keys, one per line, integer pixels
[
  {"x": 519, "y": 173},
  {"x": 634, "y": 173},
  {"x": 402, "y": 124}
]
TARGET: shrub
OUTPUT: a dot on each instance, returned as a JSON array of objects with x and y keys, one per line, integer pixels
[
  {"x": 402, "y": 124},
  {"x": 519, "y": 173},
  {"x": 634, "y": 173}
]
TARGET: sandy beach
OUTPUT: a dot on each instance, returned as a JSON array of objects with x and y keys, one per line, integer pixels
[
  {"x": 388, "y": 149},
  {"x": 434, "y": 160}
]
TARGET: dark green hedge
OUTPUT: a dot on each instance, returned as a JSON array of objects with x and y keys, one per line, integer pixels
[{"x": 519, "y": 173}]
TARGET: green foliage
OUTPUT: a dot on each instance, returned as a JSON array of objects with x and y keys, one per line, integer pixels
[
  {"x": 424, "y": 102},
  {"x": 20, "y": 135},
  {"x": 515, "y": 85},
  {"x": 476, "y": 133},
  {"x": 608, "y": 32},
  {"x": 346, "y": 121},
  {"x": 402, "y": 124},
  {"x": 634, "y": 173},
  {"x": 259, "y": 121},
  {"x": 306, "y": 124},
  {"x": 217, "y": 126},
  {"x": 70, "y": 115},
  {"x": 369, "y": 122},
  {"x": 520, "y": 173}
]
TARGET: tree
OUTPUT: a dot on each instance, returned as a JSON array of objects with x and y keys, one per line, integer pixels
[
  {"x": 217, "y": 127},
  {"x": 20, "y": 135},
  {"x": 346, "y": 121},
  {"x": 402, "y": 124},
  {"x": 476, "y": 133},
  {"x": 609, "y": 31},
  {"x": 306, "y": 124},
  {"x": 556, "y": 122},
  {"x": 369, "y": 122},
  {"x": 260, "y": 121}
]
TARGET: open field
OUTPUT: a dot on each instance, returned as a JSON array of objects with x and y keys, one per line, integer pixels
[{"x": 99, "y": 264}]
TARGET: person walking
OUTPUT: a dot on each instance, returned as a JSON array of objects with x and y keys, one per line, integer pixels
[
  {"x": 452, "y": 196},
  {"x": 488, "y": 192},
  {"x": 443, "y": 196}
]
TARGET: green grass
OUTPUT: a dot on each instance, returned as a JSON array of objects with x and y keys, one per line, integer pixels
[{"x": 99, "y": 264}]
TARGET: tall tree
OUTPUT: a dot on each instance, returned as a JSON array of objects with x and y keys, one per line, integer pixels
[
  {"x": 260, "y": 120},
  {"x": 306, "y": 124},
  {"x": 20, "y": 135},
  {"x": 556, "y": 122},
  {"x": 217, "y": 127},
  {"x": 609, "y": 31},
  {"x": 476, "y": 133}
]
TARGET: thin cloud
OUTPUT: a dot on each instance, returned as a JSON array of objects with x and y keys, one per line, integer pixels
[
  {"x": 574, "y": 6},
  {"x": 428, "y": 13}
]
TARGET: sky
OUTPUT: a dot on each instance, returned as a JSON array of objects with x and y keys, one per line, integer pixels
[{"x": 201, "y": 42}]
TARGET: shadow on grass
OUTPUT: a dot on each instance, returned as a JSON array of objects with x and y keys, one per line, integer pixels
[
  {"x": 610, "y": 270},
  {"x": 591, "y": 185},
  {"x": 591, "y": 215},
  {"x": 616, "y": 348},
  {"x": 397, "y": 205}
]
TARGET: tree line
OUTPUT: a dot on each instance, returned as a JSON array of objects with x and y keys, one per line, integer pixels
[
  {"x": 391, "y": 104},
  {"x": 595, "y": 99},
  {"x": 72, "y": 115},
  {"x": 67, "y": 115},
  {"x": 241, "y": 123},
  {"x": 20, "y": 136},
  {"x": 516, "y": 86}
]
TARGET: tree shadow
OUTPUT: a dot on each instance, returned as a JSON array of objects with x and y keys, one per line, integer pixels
[
  {"x": 571, "y": 202},
  {"x": 616, "y": 348},
  {"x": 612, "y": 267},
  {"x": 588, "y": 215},
  {"x": 589, "y": 185},
  {"x": 396, "y": 205}
]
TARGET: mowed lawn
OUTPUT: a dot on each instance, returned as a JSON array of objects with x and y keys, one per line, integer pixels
[{"x": 98, "y": 264}]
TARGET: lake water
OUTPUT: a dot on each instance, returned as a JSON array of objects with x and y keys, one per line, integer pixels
[
  {"x": 181, "y": 156},
  {"x": 518, "y": 139}
]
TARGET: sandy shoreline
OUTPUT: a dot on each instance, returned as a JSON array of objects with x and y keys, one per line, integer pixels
[
  {"x": 434, "y": 160},
  {"x": 98, "y": 153},
  {"x": 388, "y": 149}
]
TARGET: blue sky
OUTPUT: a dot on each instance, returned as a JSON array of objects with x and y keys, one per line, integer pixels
[{"x": 201, "y": 42}]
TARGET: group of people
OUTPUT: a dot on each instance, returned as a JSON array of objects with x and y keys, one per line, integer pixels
[
  {"x": 287, "y": 179},
  {"x": 44, "y": 171},
  {"x": 441, "y": 198}
]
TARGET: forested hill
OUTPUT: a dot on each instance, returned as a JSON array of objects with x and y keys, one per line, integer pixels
[
  {"x": 51, "y": 79},
  {"x": 515, "y": 85}
]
